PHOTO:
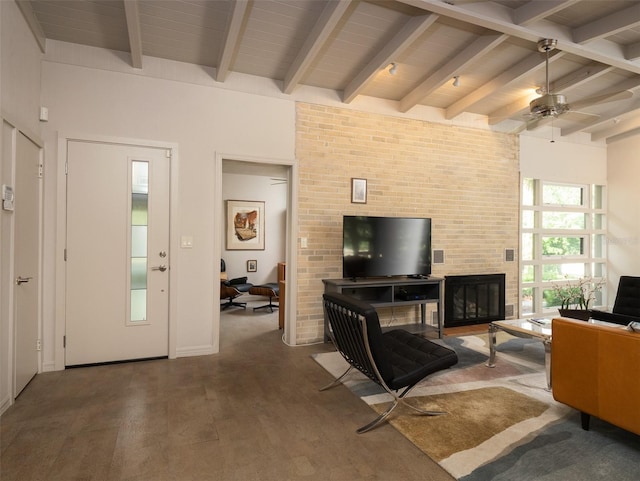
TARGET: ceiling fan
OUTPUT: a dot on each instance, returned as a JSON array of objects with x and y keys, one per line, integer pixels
[
  {"x": 552, "y": 105},
  {"x": 548, "y": 105}
]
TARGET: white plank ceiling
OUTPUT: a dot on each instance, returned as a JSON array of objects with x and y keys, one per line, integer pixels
[{"x": 349, "y": 46}]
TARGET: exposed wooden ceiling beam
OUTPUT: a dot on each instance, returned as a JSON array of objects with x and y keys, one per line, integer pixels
[
  {"x": 579, "y": 77},
  {"x": 415, "y": 27},
  {"x": 36, "y": 29},
  {"x": 497, "y": 17},
  {"x": 627, "y": 107},
  {"x": 317, "y": 38},
  {"x": 239, "y": 11},
  {"x": 617, "y": 128},
  {"x": 535, "y": 10},
  {"x": 530, "y": 64},
  {"x": 132, "y": 15},
  {"x": 508, "y": 111},
  {"x": 472, "y": 53},
  {"x": 632, "y": 51},
  {"x": 609, "y": 25}
]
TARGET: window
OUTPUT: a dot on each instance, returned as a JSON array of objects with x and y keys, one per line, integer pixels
[
  {"x": 562, "y": 238},
  {"x": 139, "y": 224}
]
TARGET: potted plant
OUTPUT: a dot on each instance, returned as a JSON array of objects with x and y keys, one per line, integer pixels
[{"x": 577, "y": 295}]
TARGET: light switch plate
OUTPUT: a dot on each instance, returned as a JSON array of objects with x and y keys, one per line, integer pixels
[{"x": 186, "y": 242}]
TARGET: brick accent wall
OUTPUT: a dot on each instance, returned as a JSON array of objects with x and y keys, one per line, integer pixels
[{"x": 467, "y": 180}]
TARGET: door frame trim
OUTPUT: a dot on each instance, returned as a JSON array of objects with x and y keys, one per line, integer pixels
[
  {"x": 291, "y": 251},
  {"x": 174, "y": 243}
]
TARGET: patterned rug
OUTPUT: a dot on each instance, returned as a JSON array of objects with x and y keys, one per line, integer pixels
[{"x": 501, "y": 423}]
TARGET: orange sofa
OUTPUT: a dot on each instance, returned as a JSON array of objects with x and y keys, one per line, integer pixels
[{"x": 596, "y": 369}]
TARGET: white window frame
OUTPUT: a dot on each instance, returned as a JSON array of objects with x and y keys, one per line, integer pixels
[{"x": 594, "y": 266}]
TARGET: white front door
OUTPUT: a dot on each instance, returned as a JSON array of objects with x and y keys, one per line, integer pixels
[
  {"x": 117, "y": 252},
  {"x": 27, "y": 199}
]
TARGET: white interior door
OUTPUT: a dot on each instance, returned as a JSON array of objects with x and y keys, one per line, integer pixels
[
  {"x": 27, "y": 234},
  {"x": 117, "y": 252}
]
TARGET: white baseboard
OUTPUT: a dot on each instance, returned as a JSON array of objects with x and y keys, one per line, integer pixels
[
  {"x": 4, "y": 405},
  {"x": 195, "y": 351},
  {"x": 48, "y": 366}
]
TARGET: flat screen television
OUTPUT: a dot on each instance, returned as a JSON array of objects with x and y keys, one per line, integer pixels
[{"x": 386, "y": 246}]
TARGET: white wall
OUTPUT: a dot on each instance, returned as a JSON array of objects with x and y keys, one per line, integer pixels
[
  {"x": 202, "y": 120},
  {"x": 571, "y": 159},
  {"x": 624, "y": 210},
  {"x": 20, "y": 63}
]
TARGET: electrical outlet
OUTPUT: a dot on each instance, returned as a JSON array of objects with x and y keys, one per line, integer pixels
[{"x": 38, "y": 345}]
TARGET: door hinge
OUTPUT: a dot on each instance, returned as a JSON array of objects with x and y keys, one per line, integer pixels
[
  {"x": 40, "y": 171},
  {"x": 64, "y": 341},
  {"x": 38, "y": 345},
  {"x": 65, "y": 254},
  {"x": 66, "y": 168}
]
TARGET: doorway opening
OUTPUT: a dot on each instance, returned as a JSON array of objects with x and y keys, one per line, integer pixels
[{"x": 254, "y": 188}]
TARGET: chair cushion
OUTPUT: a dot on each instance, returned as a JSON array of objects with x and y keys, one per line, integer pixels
[
  {"x": 268, "y": 290},
  {"x": 413, "y": 357},
  {"x": 240, "y": 283}
]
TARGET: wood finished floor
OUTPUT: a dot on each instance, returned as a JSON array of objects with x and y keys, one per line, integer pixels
[{"x": 251, "y": 412}]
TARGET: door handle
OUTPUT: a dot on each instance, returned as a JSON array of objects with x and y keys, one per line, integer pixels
[
  {"x": 21, "y": 280},
  {"x": 161, "y": 268}
]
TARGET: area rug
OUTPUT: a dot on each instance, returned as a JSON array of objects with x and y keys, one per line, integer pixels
[{"x": 501, "y": 423}]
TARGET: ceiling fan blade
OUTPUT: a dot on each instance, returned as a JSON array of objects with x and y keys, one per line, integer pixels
[
  {"x": 601, "y": 99},
  {"x": 580, "y": 117}
]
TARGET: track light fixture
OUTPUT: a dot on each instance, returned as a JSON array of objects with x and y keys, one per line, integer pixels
[
  {"x": 456, "y": 81},
  {"x": 393, "y": 69}
]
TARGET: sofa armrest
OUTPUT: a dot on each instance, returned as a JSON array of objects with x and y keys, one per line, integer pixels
[{"x": 574, "y": 364}]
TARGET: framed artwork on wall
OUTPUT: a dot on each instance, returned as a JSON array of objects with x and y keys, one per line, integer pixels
[
  {"x": 245, "y": 225},
  {"x": 252, "y": 265},
  {"x": 358, "y": 191}
]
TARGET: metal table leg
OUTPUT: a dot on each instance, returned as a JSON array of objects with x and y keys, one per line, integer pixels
[
  {"x": 492, "y": 346},
  {"x": 547, "y": 362}
]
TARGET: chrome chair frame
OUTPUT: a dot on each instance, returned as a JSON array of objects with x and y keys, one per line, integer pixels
[{"x": 355, "y": 347}]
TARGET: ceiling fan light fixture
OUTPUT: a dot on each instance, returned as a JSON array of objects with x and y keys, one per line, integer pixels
[{"x": 549, "y": 105}]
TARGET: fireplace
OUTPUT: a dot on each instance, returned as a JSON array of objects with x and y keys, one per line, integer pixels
[{"x": 474, "y": 299}]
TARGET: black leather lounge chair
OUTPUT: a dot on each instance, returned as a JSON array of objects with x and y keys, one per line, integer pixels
[
  {"x": 233, "y": 288},
  {"x": 396, "y": 360},
  {"x": 626, "y": 307}
]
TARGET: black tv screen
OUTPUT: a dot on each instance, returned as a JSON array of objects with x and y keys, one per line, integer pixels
[{"x": 386, "y": 246}]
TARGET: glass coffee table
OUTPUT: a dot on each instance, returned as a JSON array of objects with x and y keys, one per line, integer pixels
[{"x": 539, "y": 329}]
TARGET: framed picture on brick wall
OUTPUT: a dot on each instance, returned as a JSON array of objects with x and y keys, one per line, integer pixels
[{"x": 358, "y": 191}]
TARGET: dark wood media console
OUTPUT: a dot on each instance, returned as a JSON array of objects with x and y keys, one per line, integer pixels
[{"x": 389, "y": 292}]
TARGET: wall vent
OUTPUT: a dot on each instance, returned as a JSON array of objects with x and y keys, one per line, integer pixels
[
  {"x": 438, "y": 256},
  {"x": 509, "y": 255},
  {"x": 509, "y": 310}
]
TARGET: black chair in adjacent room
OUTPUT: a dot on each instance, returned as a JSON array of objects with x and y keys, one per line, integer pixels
[
  {"x": 396, "y": 360},
  {"x": 626, "y": 307},
  {"x": 230, "y": 293},
  {"x": 232, "y": 288}
]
